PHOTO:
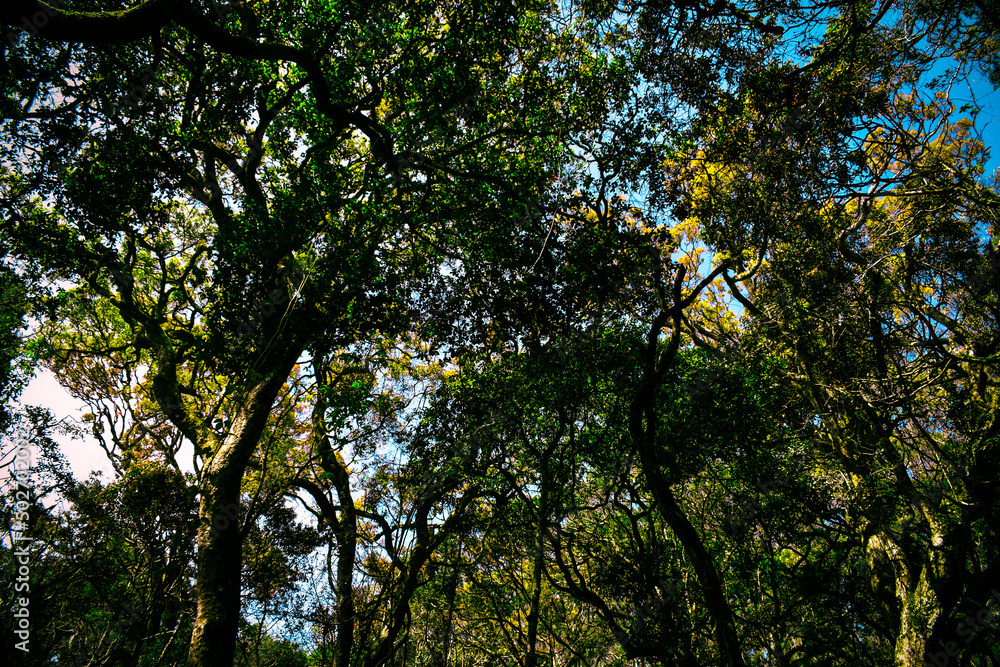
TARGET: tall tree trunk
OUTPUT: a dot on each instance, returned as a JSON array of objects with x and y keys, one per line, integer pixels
[
  {"x": 344, "y": 521},
  {"x": 730, "y": 654},
  {"x": 449, "y": 622},
  {"x": 347, "y": 541},
  {"x": 531, "y": 659},
  {"x": 642, "y": 429},
  {"x": 220, "y": 542},
  {"x": 219, "y": 561},
  {"x": 439, "y": 655}
]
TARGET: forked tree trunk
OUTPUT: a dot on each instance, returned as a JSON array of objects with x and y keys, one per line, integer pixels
[
  {"x": 642, "y": 429},
  {"x": 926, "y": 598},
  {"x": 220, "y": 544}
]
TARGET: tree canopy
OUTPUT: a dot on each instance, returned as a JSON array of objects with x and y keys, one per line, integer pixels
[{"x": 502, "y": 333}]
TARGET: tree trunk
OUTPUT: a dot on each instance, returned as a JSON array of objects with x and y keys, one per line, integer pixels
[
  {"x": 217, "y": 591},
  {"x": 347, "y": 540},
  {"x": 220, "y": 541},
  {"x": 642, "y": 429},
  {"x": 730, "y": 654},
  {"x": 531, "y": 659},
  {"x": 926, "y": 599}
]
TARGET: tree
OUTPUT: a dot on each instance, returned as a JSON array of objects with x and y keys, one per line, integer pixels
[
  {"x": 180, "y": 215},
  {"x": 12, "y": 311},
  {"x": 871, "y": 264}
]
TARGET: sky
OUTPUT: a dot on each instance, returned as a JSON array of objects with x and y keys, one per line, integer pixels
[
  {"x": 84, "y": 457},
  {"x": 989, "y": 117}
]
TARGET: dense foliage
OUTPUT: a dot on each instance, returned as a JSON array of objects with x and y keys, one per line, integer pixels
[{"x": 502, "y": 333}]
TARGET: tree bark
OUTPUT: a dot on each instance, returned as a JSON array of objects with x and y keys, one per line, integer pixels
[
  {"x": 347, "y": 541},
  {"x": 531, "y": 659},
  {"x": 49, "y": 21},
  {"x": 220, "y": 541}
]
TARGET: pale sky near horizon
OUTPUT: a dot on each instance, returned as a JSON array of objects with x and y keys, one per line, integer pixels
[{"x": 83, "y": 456}]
